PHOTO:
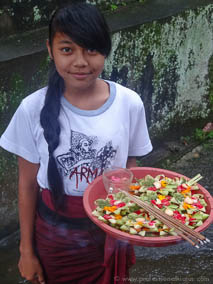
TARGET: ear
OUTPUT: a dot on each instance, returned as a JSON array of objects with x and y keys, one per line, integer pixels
[{"x": 49, "y": 49}]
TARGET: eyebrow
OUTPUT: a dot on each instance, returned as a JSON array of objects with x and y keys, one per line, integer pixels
[{"x": 65, "y": 42}]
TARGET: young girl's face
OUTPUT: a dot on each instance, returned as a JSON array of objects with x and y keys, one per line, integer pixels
[{"x": 79, "y": 67}]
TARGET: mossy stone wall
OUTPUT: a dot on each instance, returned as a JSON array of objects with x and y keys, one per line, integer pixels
[
  {"x": 167, "y": 63},
  {"x": 26, "y": 76}
]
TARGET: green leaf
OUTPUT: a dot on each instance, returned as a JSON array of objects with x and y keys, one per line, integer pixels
[
  {"x": 179, "y": 197},
  {"x": 102, "y": 203}
]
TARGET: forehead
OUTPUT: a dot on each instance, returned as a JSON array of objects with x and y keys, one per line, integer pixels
[{"x": 62, "y": 38}]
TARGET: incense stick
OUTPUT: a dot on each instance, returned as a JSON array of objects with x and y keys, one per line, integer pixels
[{"x": 182, "y": 230}]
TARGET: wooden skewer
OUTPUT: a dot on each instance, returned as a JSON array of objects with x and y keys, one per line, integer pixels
[
  {"x": 171, "y": 219},
  {"x": 178, "y": 230},
  {"x": 182, "y": 230},
  {"x": 163, "y": 217}
]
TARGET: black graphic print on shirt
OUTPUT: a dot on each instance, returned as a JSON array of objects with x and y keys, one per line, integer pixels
[{"x": 86, "y": 159}]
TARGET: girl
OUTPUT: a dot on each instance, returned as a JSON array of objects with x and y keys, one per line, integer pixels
[{"x": 65, "y": 135}]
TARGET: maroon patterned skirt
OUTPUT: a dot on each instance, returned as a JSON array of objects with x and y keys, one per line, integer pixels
[{"x": 73, "y": 250}]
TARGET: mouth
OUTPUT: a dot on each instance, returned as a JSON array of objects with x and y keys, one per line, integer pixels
[{"x": 80, "y": 76}]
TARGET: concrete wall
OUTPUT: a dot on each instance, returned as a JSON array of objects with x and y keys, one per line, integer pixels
[{"x": 162, "y": 49}]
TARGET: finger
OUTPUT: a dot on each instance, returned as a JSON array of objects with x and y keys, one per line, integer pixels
[
  {"x": 21, "y": 270},
  {"x": 34, "y": 280},
  {"x": 41, "y": 281},
  {"x": 40, "y": 278}
]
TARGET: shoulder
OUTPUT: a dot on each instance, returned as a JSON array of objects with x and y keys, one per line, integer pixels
[
  {"x": 36, "y": 97},
  {"x": 126, "y": 95},
  {"x": 34, "y": 102}
]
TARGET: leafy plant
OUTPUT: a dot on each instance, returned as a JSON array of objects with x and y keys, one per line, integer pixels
[
  {"x": 185, "y": 139},
  {"x": 113, "y": 7},
  {"x": 201, "y": 135}
]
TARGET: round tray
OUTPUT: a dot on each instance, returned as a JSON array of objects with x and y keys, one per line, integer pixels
[{"x": 96, "y": 190}]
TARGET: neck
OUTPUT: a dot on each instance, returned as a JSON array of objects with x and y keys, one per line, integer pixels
[
  {"x": 72, "y": 92},
  {"x": 89, "y": 98}
]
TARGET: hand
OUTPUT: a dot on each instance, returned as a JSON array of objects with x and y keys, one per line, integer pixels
[{"x": 30, "y": 269}]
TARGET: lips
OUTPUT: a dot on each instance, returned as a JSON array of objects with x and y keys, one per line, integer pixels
[{"x": 80, "y": 76}]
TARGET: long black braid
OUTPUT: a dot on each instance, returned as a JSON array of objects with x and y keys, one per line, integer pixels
[{"x": 49, "y": 122}]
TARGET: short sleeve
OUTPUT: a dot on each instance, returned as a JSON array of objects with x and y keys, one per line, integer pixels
[
  {"x": 18, "y": 137},
  {"x": 139, "y": 142}
]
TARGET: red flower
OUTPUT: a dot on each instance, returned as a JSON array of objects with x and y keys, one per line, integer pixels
[
  {"x": 191, "y": 221},
  {"x": 165, "y": 202},
  {"x": 178, "y": 216},
  {"x": 155, "y": 203},
  {"x": 112, "y": 201},
  {"x": 180, "y": 188},
  {"x": 152, "y": 188},
  {"x": 107, "y": 217},
  {"x": 151, "y": 223},
  {"x": 198, "y": 205},
  {"x": 122, "y": 204}
]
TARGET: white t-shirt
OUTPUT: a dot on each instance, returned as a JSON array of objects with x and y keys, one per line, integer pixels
[{"x": 90, "y": 140}]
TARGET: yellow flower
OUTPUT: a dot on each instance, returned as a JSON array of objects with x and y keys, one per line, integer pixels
[
  {"x": 117, "y": 216},
  {"x": 187, "y": 206},
  {"x": 139, "y": 223},
  {"x": 163, "y": 183},
  {"x": 161, "y": 197},
  {"x": 134, "y": 187},
  {"x": 110, "y": 209},
  {"x": 187, "y": 190}
]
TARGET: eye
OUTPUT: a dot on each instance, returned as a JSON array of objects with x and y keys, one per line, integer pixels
[
  {"x": 66, "y": 50},
  {"x": 92, "y": 51}
]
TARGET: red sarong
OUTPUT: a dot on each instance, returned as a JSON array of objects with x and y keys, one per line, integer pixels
[{"x": 76, "y": 256}]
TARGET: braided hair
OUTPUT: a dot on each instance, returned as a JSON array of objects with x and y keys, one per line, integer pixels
[{"x": 86, "y": 26}]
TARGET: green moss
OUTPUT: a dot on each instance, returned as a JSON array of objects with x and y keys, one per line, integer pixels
[
  {"x": 3, "y": 102},
  {"x": 8, "y": 172},
  {"x": 114, "y": 6},
  {"x": 179, "y": 89},
  {"x": 9, "y": 101},
  {"x": 211, "y": 82},
  {"x": 36, "y": 14},
  {"x": 18, "y": 90},
  {"x": 40, "y": 78}
]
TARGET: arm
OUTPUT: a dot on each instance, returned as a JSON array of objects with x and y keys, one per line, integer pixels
[
  {"x": 28, "y": 191},
  {"x": 29, "y": 265},
  {"x": 131, "y": 162}
]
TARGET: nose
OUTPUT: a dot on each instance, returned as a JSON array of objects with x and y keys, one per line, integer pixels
[{"x": 80, "y": 59}]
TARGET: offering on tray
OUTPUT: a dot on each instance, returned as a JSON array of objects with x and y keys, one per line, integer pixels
[
  {"x": 177, "y": 197},
  {"x": 153, "y": 237}
]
